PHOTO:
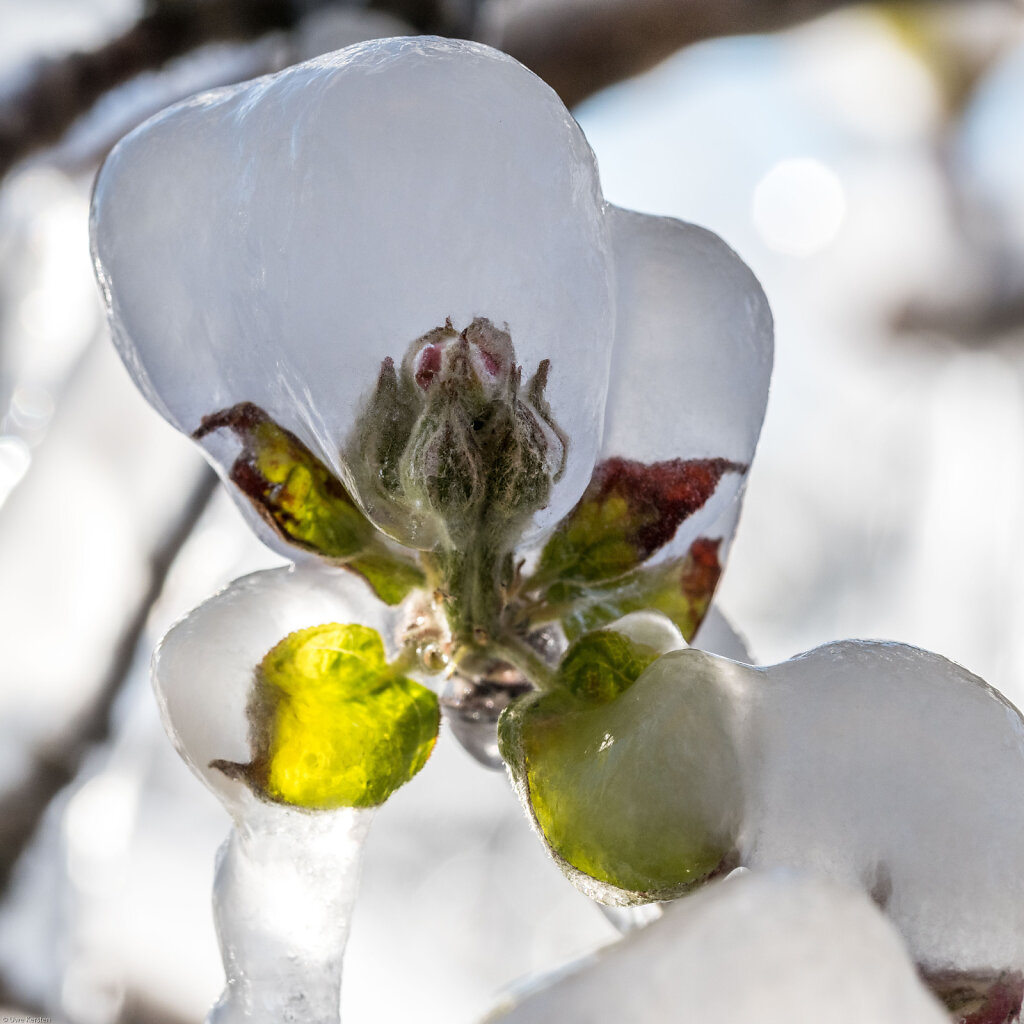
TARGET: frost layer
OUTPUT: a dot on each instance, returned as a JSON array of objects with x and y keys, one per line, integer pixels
[{"x": 768, "y": 948}]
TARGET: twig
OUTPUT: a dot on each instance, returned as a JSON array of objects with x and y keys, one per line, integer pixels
[
  {"x": 580, "y": 46},
  {"x": 55, "y": 93},
  {"x": 22, "y": 809}
]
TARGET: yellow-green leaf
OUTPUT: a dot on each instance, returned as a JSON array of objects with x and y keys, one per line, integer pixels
[
  {"x": 332, "y": 724},
  {"x": 680, "y": 589},
  {"x": 628, "y": 511},
  {"x": 633, "y": 782},
  {"x": 305, "y": 504}
]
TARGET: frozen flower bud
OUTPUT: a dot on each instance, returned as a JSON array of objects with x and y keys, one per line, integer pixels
[
  {"x": 875, "y": 764},
  {"x": 274, "y": 242},
  {"x": 275, "y": 246},
  {"x": 451, "y": 448}
]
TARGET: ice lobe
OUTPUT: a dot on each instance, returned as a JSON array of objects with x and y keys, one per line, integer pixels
[
  {"x": 895, "y": 770},
  {"x": 770, "y": 948},
  {"x": 881, "y": 767},
  {"x": 203, "y": 668},
  {"x": 275, "y": 241},
  {"x": 693, "y": 348}
]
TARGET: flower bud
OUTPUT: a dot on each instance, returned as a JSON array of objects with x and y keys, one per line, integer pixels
[{"x": 449, "y": 445}]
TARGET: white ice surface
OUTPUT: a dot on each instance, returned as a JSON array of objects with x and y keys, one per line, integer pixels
[
  {"x": 753, "y": 949},
  {"x": 875, "y": 765},
  {"x": 894, "y": 769},
  {"x": 275, "y": 241}
]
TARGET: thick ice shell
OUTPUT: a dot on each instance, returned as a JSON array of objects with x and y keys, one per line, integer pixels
[
  {"x": 876, "y": 765},
  {"x": 274, "y": 241},
  {"x": 767, "y": 948},
  {"x": 883, "y": 767},
  {"x": 692, "y": 358},
  {"x": 203, "y": 668},
  {"x": 896, "y": 770}
]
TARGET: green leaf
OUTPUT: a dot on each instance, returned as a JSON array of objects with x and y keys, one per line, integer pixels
[
  {"x": 633, "y": 782},
  {"x": 629, "y": 511},
  {"x": 332, "y": 724},
  {"x": 680, "y": 589},
  {"x": 391, "y": 578},
  {"x": 305, "y": 504},
  {"x": 601, "y": 665}
]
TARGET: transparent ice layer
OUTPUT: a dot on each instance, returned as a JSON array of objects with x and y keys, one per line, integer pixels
[
  {"x": 769, "y": 948},
  {"x": 203, "y": 668},
  {"x": 875, "y": 765},
  {"x": 273, "y": 242},
  {"x": 283, "y": 896}
]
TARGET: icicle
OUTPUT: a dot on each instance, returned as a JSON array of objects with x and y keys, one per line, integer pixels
[{"x": 283, "y": 895}]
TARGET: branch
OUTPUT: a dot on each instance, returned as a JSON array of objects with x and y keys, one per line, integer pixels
[
  {"x": 577, "y": 46},
  {"x": 22, "y": 809},
  {"x": 56, "y": 92},
  {"x": 581, "y": 46},
  {"x": 974, "y": 322}
]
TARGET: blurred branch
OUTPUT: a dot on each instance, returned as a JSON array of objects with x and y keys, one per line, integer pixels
[
  {"x": 577, "y": 46},
  {"x": 974, "y": 322},
  {"x": 22, "y": 809},
  {"x": 580, "y": 46},
  {"x": 54, "y": 93}
]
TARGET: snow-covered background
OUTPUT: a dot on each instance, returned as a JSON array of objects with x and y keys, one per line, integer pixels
[{"x": 885, "y": 501}]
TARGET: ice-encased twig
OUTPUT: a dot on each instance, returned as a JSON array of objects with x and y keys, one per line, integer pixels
[{"x": 285, "y": 886}]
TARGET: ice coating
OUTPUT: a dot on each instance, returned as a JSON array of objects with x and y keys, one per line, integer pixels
[
  {"x": 286, "y": 877},
  {"x": 770, "y": 948},
  {"x": 692, "y": 358},
  {"x": 203, "y": 668},
  {"x": 283, "y": 895},
  {"x": 274, "y": 241},
  {"x": 879, "y": 766},
  {"x": 896, "y": 770}
]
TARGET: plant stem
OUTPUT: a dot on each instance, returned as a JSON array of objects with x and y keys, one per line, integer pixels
[{"x": 518, "y": 653}]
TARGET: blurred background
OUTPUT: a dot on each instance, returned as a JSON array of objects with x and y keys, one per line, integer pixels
[{"x": 866, "y": 161}]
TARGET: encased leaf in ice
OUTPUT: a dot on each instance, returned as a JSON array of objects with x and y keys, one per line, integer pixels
[{"x": 332, "y": 724}]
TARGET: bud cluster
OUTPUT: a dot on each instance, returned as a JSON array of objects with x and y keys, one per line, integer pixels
[{"x": 450, "y": 451}]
